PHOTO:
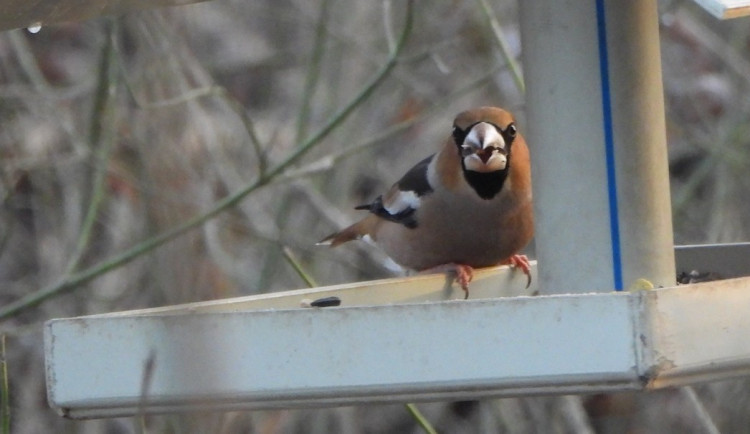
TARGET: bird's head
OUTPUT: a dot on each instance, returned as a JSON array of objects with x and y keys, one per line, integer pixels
[{"x": 484, "y": 137}]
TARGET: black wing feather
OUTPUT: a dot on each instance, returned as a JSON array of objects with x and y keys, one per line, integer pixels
[
  {"x": 415, "y": 180},
  {"x": 405, "y": 217}
]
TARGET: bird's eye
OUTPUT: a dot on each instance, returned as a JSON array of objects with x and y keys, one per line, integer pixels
[
  {"x": 458, "y": 135},
  {"x": 511, "y": 130}
]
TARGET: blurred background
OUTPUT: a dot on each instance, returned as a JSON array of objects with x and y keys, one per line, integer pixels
[{"x": 117, "y": 131}]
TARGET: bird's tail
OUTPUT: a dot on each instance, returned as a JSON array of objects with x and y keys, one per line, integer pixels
[{"x": 353, "y": 232}]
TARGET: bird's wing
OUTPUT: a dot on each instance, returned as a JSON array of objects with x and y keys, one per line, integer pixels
[{"x": 400, "y": 203}]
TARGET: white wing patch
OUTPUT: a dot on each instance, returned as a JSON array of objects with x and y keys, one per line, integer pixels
[{"x": 403, "y": 201}]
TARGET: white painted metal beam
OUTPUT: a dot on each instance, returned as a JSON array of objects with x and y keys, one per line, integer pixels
[
  {"x": 334, "y": 356},
  {"x": 724, "y": 260},
  {"x": 340, "y": 356},
  {"x": 241, "y": 354},
  {"x": 698, "y": 332},
  {"x": 725, "y": 9}
]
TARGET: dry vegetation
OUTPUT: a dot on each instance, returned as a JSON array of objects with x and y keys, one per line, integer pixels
[{"x": 116, "y": 131}]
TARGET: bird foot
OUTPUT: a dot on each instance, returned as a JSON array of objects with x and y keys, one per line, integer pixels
[
  {"x": 522, "y": 262},
  {"x": 464, "y": 274}
]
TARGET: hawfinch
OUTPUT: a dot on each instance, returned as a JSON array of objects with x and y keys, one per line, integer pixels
[{"x": 467, "y": 206}]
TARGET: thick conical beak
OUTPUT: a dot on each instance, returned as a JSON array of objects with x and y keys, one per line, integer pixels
[{"x": 485, "y": 154}]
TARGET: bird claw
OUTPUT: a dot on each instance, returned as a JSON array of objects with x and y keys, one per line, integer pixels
[
  {"x": 522, "y": 262},
  {"x": 464, "y": 274}
]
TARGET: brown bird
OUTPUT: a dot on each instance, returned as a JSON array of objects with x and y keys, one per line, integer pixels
[{"x": 467, "y": 206}]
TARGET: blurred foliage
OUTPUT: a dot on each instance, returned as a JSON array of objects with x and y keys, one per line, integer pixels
[{"x": 116, "y": 130}]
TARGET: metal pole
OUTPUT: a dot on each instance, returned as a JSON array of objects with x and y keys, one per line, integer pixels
[{"x": 597, "y": 138}]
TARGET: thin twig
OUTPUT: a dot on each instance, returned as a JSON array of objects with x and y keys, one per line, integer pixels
[
  {"x": 102, "y": 139},
  {"x": 497, "y": 32},
  {"x": 149, "y": 365},
  {"x": 294, "y": 262},
  {"x": 28, "y": 64},
  {"x": 313, "y": 71},
  {"x": 72, "y": 281},
  {"x": 387, "y": 6},
  {"x": 575, "y": 415},
  {"x": 421, "y": 420},
  {"x": 700, "y": 411},
  {"x": 4, "y": 390},
  {"x": 247, "y": 122}
]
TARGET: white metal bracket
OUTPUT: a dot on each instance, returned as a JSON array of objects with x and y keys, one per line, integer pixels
[{"x": 725, "y": 9}]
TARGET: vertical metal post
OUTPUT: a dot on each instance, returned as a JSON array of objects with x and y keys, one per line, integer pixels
[{"x": 598, "y": 145}]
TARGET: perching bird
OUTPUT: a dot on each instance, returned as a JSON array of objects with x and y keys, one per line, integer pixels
[{"x": 467, "y": 206}]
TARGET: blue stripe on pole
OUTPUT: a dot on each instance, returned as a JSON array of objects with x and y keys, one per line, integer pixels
[{"x": 609, "y": 146}]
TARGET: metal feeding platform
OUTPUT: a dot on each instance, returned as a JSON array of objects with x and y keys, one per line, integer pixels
[
  {"x": 395, "y": 340},
  {"x": 603, "y": 226}
]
